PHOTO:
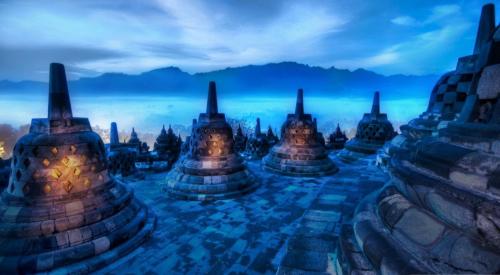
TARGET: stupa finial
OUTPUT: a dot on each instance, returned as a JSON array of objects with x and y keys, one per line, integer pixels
[
  {"x": 376, "y": 103},
  {"x": 486, "y": 26},
  {"x": 299, "y": 105},
  {"x": 113, "y": 134},
  {"x": 257, "y": 128},
  {"x": 59, "y": 103},
  {"x": 212, "y": 99}
]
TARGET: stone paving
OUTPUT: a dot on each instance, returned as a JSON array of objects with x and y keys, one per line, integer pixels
[{"x": 287, "y": 222}]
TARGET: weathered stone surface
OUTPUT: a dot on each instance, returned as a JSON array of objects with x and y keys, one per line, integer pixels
[
  {"x": 489, "y": 83},
  {"x": 440, "y": 212}
]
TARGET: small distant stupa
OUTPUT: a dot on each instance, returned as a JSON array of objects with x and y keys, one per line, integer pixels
[
  {"x": 373, "y": 131},
  {"x": 299, "y": 153},
  {"x": 167, "y": 146},
  {"x": 121, "y": 156},
  {"x": 272, "y": 139},
  {"x": 337, "y": 139},
  {"x": 62, "y": 212},
  {"x": 257, "y": 145},
  {"x": 240, "y": 140},
  {"x": 211, "y": 169}
]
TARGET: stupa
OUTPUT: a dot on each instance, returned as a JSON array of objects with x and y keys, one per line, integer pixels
[
  {"x": 121, "y": 156},
  {"x": 240, "y": 140},
  {"x": 61, "y": 211},
  {"x": 211, "y": 169},
  {"x": 167, "y": 147},
  {"x": 272, "y": 139},
  {"x": 299, "y": 153},
  {"x": 447, "y": 99},
  {"x": 337, "y": 139},
  {"x": 441, "y": 209},
  {"x": 257, "y": 145},
  {"x": 373, "y": 131}
]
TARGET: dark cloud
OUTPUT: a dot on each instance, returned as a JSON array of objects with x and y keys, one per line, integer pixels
[{"x": 18, "y": 63}]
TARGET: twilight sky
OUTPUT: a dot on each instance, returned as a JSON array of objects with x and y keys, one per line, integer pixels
[{"x": 92, "y": 36}]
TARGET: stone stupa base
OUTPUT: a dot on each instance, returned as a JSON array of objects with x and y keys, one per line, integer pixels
[
  {"x": 289, "y": 163},
  {"x": 355, "y": 150},
  {"x": 193, "y": 180},
  {"x": 82, "y": 236}
]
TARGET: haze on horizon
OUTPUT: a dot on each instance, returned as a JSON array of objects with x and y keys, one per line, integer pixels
[{"x": 92, "y": 37}]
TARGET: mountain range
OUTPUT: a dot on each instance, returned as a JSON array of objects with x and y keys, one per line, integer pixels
[{"x": 273, "y": 79}]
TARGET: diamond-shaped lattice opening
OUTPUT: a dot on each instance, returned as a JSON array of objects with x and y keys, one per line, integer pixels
[
  {"x": 46, "y": 162},
  {"x": 54, "y": 150},
  {"x": 65, "y": 161},
  {"x": 72, "y": 148},
  {"x": 77, "y": 171},
  {"x": 21, "y": 149},
  {"x": 47, "y": 188},
  {"x": 86, "y": 183},
  {"x": 56, "y": 173},
  {"x": 68, "y": 186},
  {"x": 26, "y": 162}
]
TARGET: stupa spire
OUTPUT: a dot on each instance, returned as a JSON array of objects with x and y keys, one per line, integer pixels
[
  {"x": 257, "y": 128},
  {"x": 113, "y": 134},
  {"x": 59, "y": 103},
  {"x": 376, "y": 103},
  {"x": 299, "y": 105},
  {"x": 486, "y": 26},
  {"x": 212, "y": 99}
]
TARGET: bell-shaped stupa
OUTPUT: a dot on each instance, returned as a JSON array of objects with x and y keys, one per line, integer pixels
[
  {"x": 61, "y": 211},
  {"x": 257, "y": 145},
  {"x": 373, "y": 131},
  {"x": 121, "y": 156},
  {"x": 211, "y": 169},
  {"x": 272, "y": 139},
  {"x": 299, "y": 152},
  {"x": 440, "y": 212},
  {"x": 240, "y": 140},
  {"x": 167, "y": 147},
  {"x": 337, "y": 139}
]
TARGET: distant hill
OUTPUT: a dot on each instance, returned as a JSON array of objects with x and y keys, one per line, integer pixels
[{"x": 275, "y": 79}]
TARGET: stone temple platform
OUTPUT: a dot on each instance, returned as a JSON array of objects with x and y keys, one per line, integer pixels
[{"x": 288, "y": 224}]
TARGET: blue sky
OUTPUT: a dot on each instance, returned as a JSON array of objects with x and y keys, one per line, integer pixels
[{"x": 92, "y": 37}]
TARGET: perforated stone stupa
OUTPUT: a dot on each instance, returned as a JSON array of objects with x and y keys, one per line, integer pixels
[
  {"x": 121, "y": 156},
  {"x": 167, "y": 147},
  {"x": 373, "y": 131},
  {"x": 211, "y": 169},
  {"x": 448, "y": 97},
  {"x": 337, "y": 139},
  {"x": 440, "y": 213},
  {"x": 240, "y": 140},
  {"x": 299, "y": 153},
  {"x": 257, "y": 145},
  {"x": 61, "y": 210}
]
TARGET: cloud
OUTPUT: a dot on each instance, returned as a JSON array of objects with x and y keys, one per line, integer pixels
[
  {"x": 201, "y": 35},
  {"x": 18, "y": 63},
  {"x": 405, "y": 21}
]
